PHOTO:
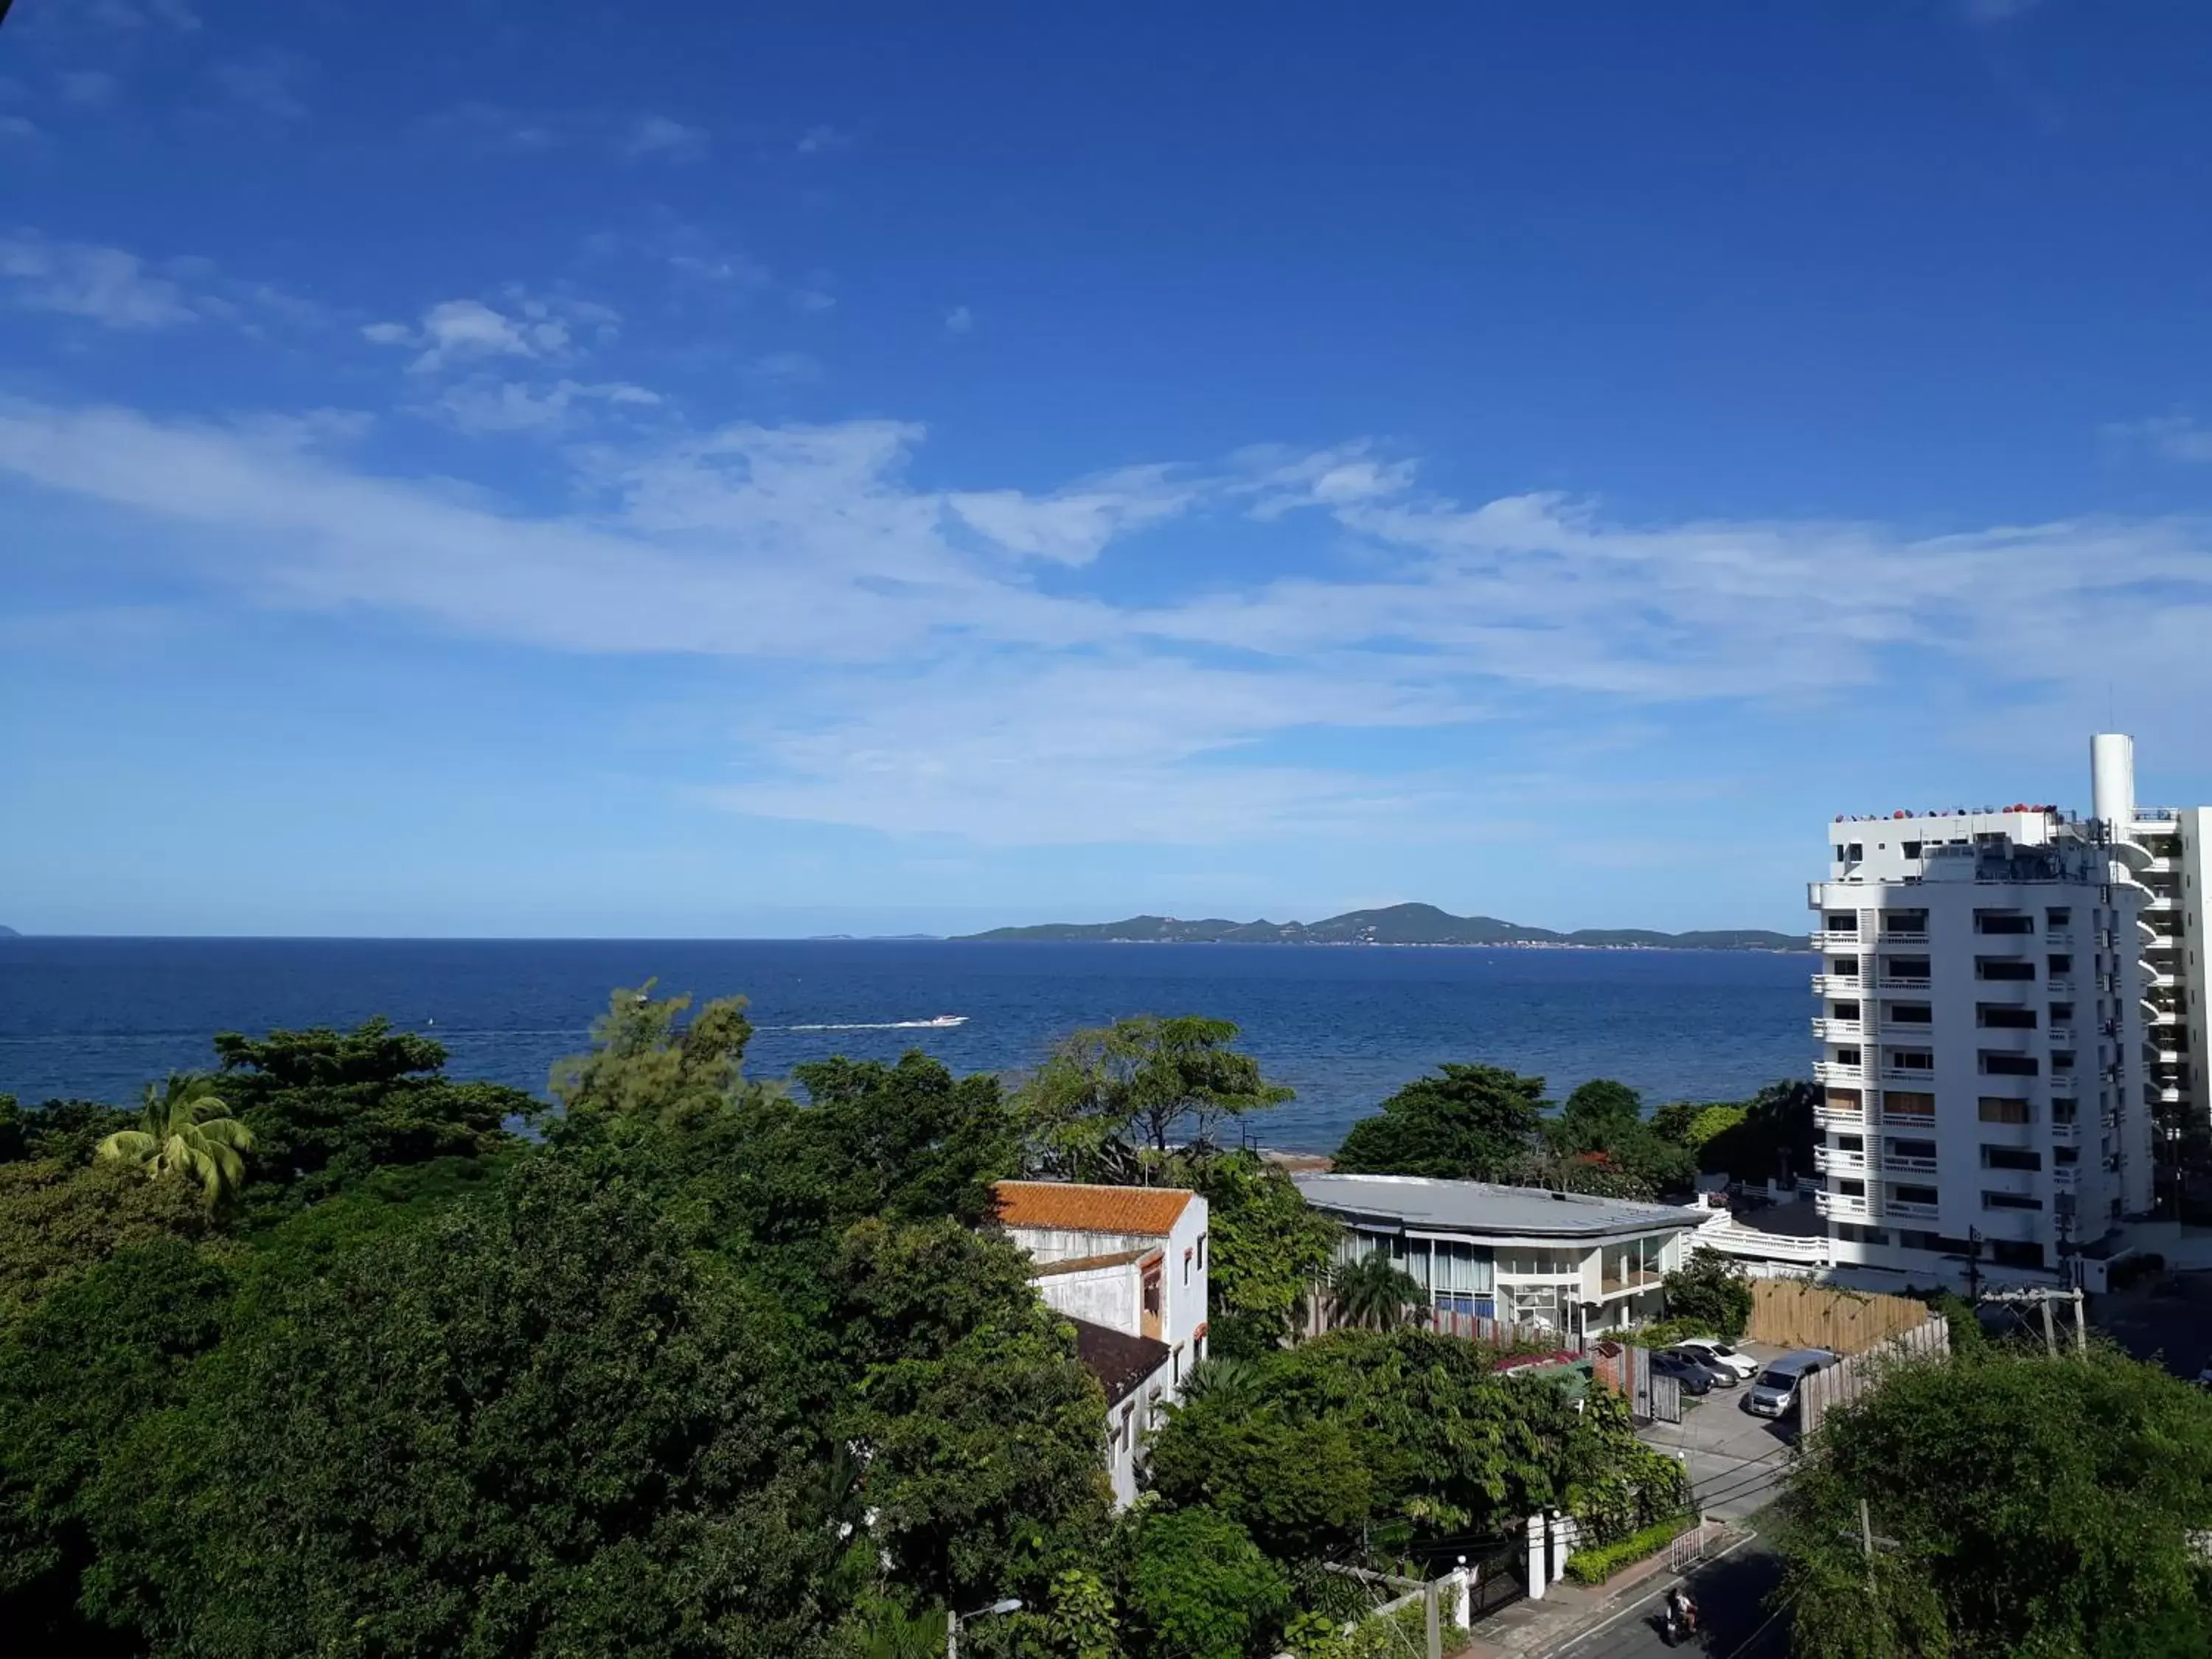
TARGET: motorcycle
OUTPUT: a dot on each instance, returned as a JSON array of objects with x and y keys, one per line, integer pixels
[{"x": 1678, "y": 1622}]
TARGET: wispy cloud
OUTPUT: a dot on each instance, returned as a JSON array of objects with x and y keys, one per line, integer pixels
[
  {"x": 785, "y": 368},
  {"x": 964, "y": 661},
  {"x": 89, "y": 89},
  {"x": 21, "y": 127},
  {"x": 271, "y": 81},
  {"x": 461, "y": 332},
  {"x": 822, "y": 140},
  {"x": 658, "y": 137},
  {"x": 959, "y": 320},
  {"x": 2175, "y": 437},
  {"x": 104, "y": 284}
]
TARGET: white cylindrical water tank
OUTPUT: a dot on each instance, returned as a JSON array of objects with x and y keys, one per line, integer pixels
[{"x": 2112, "y": 781}]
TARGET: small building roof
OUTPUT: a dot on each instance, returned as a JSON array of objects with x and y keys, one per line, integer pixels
[
  {"x": 1119, "y": 1361},
  {"x": 1072, "y": 1206},
  {"x": 1478, "y": 1206}
]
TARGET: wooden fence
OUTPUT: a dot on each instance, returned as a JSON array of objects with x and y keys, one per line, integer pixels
[
  {"x": 1841, "y": 1384},
  {"x": 1794, "y": 1313}
]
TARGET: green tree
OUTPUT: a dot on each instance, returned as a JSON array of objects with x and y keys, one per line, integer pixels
[
  {"x": 1711, "y": 1290},
  {"x": 1597, "y": 1116},
  {"x": 643, "y": 1063},
  {"x": 1297, "y": 1487},
  {"x": 1690, "y": 1124},
  {"x": 59, "y": 1131},
  {"x": 1104, "y": 1097},
  {"x": 1774, "y": 1140},
  {"x": 1268, "y": 1248},
  {"x": 95, "y": 1356},
  {"x": 1468, "y": 1123},
  {"x": 328, "y": 1108},
  {"x": 534, "y": 1424},
  {"x": 2030, "y": 1506},
  {"x": 185, "y": 1130},
  {"x": 1371, "y": 1294},
  {"x": 1083, "y": 1624},
  {"x": 58, "y": 1223},
  {"x": 1199, "y": 1588}
]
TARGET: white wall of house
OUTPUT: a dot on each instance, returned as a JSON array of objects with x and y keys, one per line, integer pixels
[{"x": 1104, "y": 1296}]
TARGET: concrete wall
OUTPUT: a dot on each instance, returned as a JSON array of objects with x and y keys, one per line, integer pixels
[{"x": 1104, "y": 1296}]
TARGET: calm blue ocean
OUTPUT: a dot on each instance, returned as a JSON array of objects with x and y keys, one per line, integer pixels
[{"x": 1344, "y": 1026}]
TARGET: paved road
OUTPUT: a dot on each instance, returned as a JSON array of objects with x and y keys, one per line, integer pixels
[
  {"x": 1732, "y": 1592},
  {"x": 2171, "y": 1323}
]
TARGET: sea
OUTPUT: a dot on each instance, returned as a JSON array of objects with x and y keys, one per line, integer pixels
[{"x": 96, "y": 1018}]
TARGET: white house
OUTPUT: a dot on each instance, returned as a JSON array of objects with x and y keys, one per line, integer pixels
[
  {"x": 1524, "y": 1255},
  {"x": 1127, "y": 1267}
]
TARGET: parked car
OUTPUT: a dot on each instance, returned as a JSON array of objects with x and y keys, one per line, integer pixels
[
  {"x": 1720, "y": 1376},
  {"x": 1694, "y": 1378},
  {"x": 1712, "y": 1351},
  {"x": 1774, "y": 1393}
]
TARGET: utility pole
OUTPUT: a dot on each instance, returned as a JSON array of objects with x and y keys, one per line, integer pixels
[
  {"x": 1973, "y": 1264},
  {"x": 2050, "y": 1341},
  {"x": 2043, "y": 1299}
]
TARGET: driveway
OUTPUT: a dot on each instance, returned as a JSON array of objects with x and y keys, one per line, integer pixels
[{"x": 1736, "y": 1461}]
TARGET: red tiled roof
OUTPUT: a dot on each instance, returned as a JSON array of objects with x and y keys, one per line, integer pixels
[
  {"x": 1119, "y": 1361},
  {"x": 1146, "y": 1211}
]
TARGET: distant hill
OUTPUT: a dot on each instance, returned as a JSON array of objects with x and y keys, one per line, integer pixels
[
  {"x": 10, "y": 933},
  {"x": 1395, "y": 924}
]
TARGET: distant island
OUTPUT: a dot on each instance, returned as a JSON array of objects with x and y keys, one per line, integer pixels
[
  {"x": 1395, "y": 924},
  {"x": 10, "y": 933}
]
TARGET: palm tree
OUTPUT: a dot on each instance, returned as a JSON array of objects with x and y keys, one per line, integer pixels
[
  {"x": 184, "y": 1129},
  {"x": 1371, "y": 1293}
]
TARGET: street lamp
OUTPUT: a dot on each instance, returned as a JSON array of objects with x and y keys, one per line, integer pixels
[{"x": 1011, "y": 1604}]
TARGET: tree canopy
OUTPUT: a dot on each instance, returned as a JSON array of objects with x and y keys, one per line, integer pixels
[
  {"x": 1105, "y": 1095},
  {"x": 2026, "y": 1505},
  {"x": 1467, "y": 1122}
]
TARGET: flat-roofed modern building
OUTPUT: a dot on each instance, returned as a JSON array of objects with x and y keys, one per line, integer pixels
[
  {"x": 2011, "y": 1009},
  {"x": 1572, "y": 1263}
]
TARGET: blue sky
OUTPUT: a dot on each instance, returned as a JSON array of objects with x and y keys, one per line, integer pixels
[{"x": 699, "y": 470}]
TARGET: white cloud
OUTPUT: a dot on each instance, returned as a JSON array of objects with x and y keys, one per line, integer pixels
[
  {"x": 658, "y": 135},
  {"x": 2175, "y": 437},
  {"x": 105, "y": 284},
  {"x": 485, "y": 404},
  {"x": 92, "y": 89},
  {"x": 822, "y": 140},
  {"x": 785, "y": 369},
  {"x": 270, "y": 82},
  {"x": 21, "y": 127},
  {"x": 975, "y": 662},
  {"x": 959, "y": 320},
  {"x": 459, "y": 332}
]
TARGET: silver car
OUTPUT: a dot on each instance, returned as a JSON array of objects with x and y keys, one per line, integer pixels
[{"x": 1774, "y": 1392}]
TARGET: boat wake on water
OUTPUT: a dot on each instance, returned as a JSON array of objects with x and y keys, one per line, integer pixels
[{"x": 941, "y": 1022}]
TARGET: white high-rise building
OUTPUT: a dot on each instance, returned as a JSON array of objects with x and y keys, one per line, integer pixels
[{"x": 2012, "y": 1020}]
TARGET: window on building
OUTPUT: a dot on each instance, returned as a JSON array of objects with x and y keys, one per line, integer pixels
[
  {"x": 1151, "y": 1294},
  {"x": 1854, "y": 852},
  {"x": 1842, "y": 921},
  {"x": 1843, "y": 1011},
  {"x": 1903, "y": 967},
  {"x": 2011, "y": 1157},
  {"x": 1905, "y": 922},
  {"x": 1201, "y": 1252},
  {"x": 1912, "y": 1149},
  {"x": 1187, "y": 1256},
  {"x": 1843, "y": 967},
  {"x": 1852, "y": 1189},
  {"x": 1911, "y": 1059},
  {"x": 1998, "y": 1109},
  {"x": 2002, "y": 922},
  {"x": 1996, "y": 1065},
  {"x": 1848, "y": 1054},
  {"x": 2062, "y": 1013},
  {"x": 1905, "y": 1194},
  {"x": 2057, "y": 917},
  {"x": 2004, "y": 968},
  {"x": 2063, "y": 1111},
  {"x": 1908, "y": 1013},
  {"x": 2065, "y": 1154},
  {"x": 2062, "y": 964},
  {"x": 1844, "y": 1100},
  {"x": 2010, "y": 1201},
  {"x": 2004, "y": 1017},
  {"x": 2061, "y": 1059},
  {"x": 1851, "y": 1143},
  {"x": 1907, "y": 1103},
  {"x": 1911, "y": 849}
]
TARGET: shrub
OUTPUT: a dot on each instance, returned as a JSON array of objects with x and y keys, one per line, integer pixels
[
  {"x": 1594, "y": 1566},
  {"x": 1666, "y": 1333}
]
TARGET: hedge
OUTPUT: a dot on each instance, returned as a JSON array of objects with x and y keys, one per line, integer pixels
[
  {"x": 1594, "y": 1566},
  {"x": 1664, "y": 1333}
]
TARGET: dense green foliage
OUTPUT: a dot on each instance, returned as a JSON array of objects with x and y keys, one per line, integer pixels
[
  {"x": 2026, "y": 1505},
  {"x": 185, "y": 1130},
  {"x": 1468, "y": 1123},
  {"x": 1400, "y": 1437},
  {"x": 1600, "y": 1562},
  {"x": 1711, "y": 1292},
  {"x": 1270, "y": 1247},
  {"x": 1104, "y": 1097},
  {"x": 1199, "y": 1588}
]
